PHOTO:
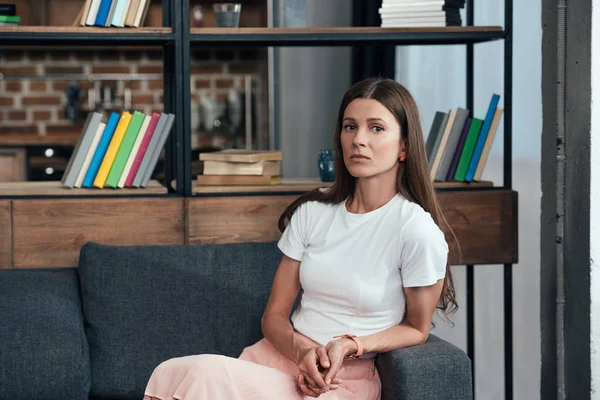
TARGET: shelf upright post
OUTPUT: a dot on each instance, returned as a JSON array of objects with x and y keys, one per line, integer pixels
[
  {"x": 169, "y": 90},
  {"x": 508, "y": 275},
  {"x": 470, "y": 268},
  {"x": 184, "y": 161}
]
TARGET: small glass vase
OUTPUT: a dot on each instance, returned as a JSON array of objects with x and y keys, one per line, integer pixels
[{"x": 327, "y": 165}]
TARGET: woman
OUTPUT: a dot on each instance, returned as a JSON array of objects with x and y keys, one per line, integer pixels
[{"x": 370, "y": 256}]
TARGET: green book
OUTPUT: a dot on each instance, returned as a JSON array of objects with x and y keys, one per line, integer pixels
[
  {"x": 465, "y": 156},
  {"x": 13, "y": 19},
  {"x": 126, "y": 146}
]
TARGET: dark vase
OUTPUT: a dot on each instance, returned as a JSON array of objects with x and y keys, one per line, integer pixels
[{"x": 327, "y": 165}]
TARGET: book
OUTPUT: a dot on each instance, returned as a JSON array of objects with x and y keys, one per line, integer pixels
[
  {"x": 442, "y": 146},
  {"x": 451, "y": 144},
  {"x": 488, "y": 143},
  {"x": 118, "y": 13},
  {"x": 161, "y": 143},
  {"x": 467, "y": 152},
  {"x": 131, "y": 13},
  {"x": 89, "y": 155},
  {"x": 226, "y": 180},
  {"x": 437, "y": 127},
  {"x": 84, "y": 12},
  {"x": 125, "y": 147},
  {"x": 482, "y": 137},
  {"x": 112, "y": 150},
  {"x": 103, "y": 11},
  {"x": 142, "y": 150},
  {"x": 142, "y": 12},
  {"x": 81, "y": 148},
  {"x": 90, "y": 175},
  {"x": 459, "y": 149},
  {"x": 93, "y": 13},
  {"x": 134, "y": 151},
  {"x": 144, "y": 165},
  {"x": 263, "y": 167},
  {"x": 241, "y": 155}
]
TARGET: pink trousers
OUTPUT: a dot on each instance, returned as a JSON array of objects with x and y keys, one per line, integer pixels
[{"x": 260, "y": 373}]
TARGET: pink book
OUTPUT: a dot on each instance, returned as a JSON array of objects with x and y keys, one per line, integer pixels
[{"x": 142, "y": 150}]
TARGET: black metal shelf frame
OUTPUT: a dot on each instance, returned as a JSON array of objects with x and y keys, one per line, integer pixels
[{"x": 177, "y": 99}]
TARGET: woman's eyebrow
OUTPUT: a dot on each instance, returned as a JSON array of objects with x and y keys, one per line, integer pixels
[{"x": 376, "y": 119}]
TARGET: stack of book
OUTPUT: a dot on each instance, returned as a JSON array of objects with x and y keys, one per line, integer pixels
[
  {"x": 241, "y": 167},
  {"x": 117, "y": 13},
  {"x": 458, "y": 144},
  {"x": 8, "y": 15},
  {"x": 407, "y": 13},
  {"x": 121, "y": 152}
]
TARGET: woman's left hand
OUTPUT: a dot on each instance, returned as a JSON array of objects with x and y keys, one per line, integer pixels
[{"x": 337, "y": 350}]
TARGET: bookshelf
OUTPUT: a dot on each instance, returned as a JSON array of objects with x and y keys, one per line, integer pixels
[{"x": 483, "y": 215}]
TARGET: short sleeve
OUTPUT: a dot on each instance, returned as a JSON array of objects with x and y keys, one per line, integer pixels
[
  {"x": 424, "y": 252},
  {"x": 294, "y": 238}
]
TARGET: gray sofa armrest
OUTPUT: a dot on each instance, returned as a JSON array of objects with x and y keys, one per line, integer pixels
[{"x": 435, "y": 370}]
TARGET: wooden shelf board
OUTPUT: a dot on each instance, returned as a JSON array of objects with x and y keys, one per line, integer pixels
[
  {"x": 55, "y": 188},
  {"x": 346, "y": 35},
  {"x": 38, "y": 140},
  {"x": 85, "y": 29},
  {"x": 74, "y": 35},
  {"x": 343, "y": 29},
  {"x": 305, "y": 185}
]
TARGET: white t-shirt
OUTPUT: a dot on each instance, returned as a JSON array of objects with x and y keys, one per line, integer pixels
[{"x": 354, "y": 266}]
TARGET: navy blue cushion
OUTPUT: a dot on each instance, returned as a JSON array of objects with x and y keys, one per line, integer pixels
[
  {"x": 146, "y": 304},
  {"x": 43, "y": 349}
]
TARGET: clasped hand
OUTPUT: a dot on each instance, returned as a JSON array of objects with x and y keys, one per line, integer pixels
[{"x": 319, "y": 367}]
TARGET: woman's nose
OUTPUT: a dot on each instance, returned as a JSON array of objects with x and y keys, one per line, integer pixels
[{"x": 360, "y": 138}]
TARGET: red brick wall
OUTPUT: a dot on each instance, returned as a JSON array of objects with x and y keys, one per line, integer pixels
[{"x": 35, "y": 105}]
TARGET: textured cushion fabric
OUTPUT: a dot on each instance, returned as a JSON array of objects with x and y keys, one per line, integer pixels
[
  {"x": 145, "y": 304},
  {"x": 43, "y": 349},
  {"x": 435, "y": 370}
]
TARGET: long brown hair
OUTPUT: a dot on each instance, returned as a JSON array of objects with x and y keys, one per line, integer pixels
[{"x": 413, "y": 180}]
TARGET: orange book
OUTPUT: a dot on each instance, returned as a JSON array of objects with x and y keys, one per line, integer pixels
[{"x": 112, "y": 150}]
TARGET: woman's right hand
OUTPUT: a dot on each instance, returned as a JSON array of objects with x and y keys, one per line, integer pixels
[
  {"x": 311, "y": 380},
  {"x": 313, "y": 363}
]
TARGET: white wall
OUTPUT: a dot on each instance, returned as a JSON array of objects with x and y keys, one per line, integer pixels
[
  {"x": 436, "y": 77},
  {"x": 595, "y": 207}
]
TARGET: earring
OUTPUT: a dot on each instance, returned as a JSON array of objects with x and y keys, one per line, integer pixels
[{"x": 402, "y": 158}]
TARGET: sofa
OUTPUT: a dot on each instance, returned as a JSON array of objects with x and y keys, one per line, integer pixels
[{"x": 97, "y": 331}]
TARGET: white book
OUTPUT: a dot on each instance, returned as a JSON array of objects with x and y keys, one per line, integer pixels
[
  {"x": 398, "y": 3},
  {"x": 134, "y": 151},
  {"x": 415, "y": 20},
  {"x": 125, "y": 12},
  {"x": 412, "y": 7},
  {"x": 142, "y": 10},
  {"x": 90, "y": 155},
  {"x": 413, "y": 24},
  {"x": 434, "y": 14},
  {"x": 91, "y": 18}
]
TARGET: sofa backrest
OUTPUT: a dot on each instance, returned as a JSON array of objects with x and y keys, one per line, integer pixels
[
  {"x": 145, "y": 304},
  {"x": 43, "y": 348}
]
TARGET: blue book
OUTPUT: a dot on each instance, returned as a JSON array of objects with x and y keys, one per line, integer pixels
[
  {"x": 482, "y": 137},
  {"x": 107, "y": 135},
  {"x": 103, "y": 12}
]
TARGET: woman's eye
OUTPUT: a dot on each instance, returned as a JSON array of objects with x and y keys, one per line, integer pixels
[
  {"x": 349, "y": 127},
  {"x": 377, "y": 129}
]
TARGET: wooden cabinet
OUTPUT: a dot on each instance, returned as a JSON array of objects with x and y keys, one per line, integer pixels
[
  {"x": 12, "y": 165},
  {"x": 36, "y": 233}
]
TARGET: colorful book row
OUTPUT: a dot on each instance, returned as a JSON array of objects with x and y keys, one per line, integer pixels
[
  {"x": 122, "y": 152},
  {"x": 119, "y": 13},
  {"x": 458, "y": 145}
]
